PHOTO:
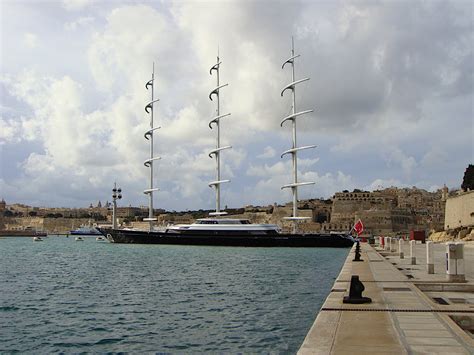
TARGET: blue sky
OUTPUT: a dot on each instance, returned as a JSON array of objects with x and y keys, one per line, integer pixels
[{"x": 391, "y": 88}]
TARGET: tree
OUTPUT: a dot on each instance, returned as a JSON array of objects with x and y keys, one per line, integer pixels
[{"x": 468, "y": 180}]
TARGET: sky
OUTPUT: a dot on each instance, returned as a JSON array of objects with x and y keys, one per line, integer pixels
[{"x": 391, "y": 86}]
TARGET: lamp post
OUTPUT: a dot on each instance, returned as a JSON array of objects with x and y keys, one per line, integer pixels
[{"x": 116, "y": 195}]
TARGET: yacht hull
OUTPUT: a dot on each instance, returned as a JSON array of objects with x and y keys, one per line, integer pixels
[{"x": 229, "y": 239}]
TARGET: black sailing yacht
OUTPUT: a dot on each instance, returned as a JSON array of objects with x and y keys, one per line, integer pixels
[{"x": 219, "y": 230}]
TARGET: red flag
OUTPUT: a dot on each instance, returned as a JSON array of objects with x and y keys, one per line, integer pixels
[{"x": 359, "y": 227}]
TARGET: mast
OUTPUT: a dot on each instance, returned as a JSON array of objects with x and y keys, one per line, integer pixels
[
  {"x": 217, "y": 151},
  {"x": 149, "y": 162},
  {"x": 294, "y": 149}
]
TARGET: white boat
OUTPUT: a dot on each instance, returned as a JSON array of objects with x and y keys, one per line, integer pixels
[
  {"x": 100, "y": 238},
  {"x": 37, "y": 239},
  {"x": 79, "y": 239}
]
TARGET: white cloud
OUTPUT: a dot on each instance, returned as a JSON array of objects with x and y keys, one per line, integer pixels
[
  {"x": 9, "y": 131},
  {"x": 76, "y": 5},
  {"x": 30, "y": 40},
  {"x": 394, "y": 155},
  {"x": 80, "y": 22},
  {"x": 381, "y": 83},
  {"x": 268, "y": 152},
  {"x": 380, "y": 184}
]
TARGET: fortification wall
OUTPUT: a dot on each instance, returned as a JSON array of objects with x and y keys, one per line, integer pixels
[
  {"x": 459, "y": 211},
  {"x": 50, "y": 225}
]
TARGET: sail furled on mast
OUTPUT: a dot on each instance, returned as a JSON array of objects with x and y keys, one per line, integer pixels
[
  {"x": 216, "y": 184},
  {"x": 149, "y": 135},
  {"x": 293, "y": 151}
]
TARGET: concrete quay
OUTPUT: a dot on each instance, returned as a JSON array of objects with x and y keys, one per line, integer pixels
[{"x": 412, "y": 312}]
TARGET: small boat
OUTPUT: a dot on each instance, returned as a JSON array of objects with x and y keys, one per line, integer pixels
[
  {"x": 100, "y": 238},
  {"x": 37, "y": 239},
  {"x": 85, "y": 231},
  {"x": 79, "y": 239}
]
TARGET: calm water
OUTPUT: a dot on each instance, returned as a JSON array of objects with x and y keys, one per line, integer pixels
[{"x": 60, "y": 295}]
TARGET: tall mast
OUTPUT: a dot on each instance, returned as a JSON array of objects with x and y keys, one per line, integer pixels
[
  {"x": 217, "y": 151},
  {"x": 294, "y": 149},
  {"x": 149, "y": 162}
]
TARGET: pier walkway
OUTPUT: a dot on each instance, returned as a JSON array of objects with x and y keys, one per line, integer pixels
[{"x": 412, "y": 312}]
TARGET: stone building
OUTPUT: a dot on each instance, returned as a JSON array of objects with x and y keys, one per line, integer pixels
[
  {"x": 346, "y": 204},
  {"x": 389, "y": 210}
]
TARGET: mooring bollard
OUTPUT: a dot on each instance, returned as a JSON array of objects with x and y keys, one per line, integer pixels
[
  {"x": 400, "y": 249},
  {"x": 412, "y": 252},
  {"x": 355, "y": 292},
  {"x": 429, "y": 257},
  {"x": 455, "y": 262},
  {"x": 357, "y": 252}
]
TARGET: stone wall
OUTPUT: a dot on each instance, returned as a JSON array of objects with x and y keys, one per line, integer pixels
[
  {"x": 63, "y": 225},
  {"x": 459, "y": 211},
  {"x": 50, "y": 225}
]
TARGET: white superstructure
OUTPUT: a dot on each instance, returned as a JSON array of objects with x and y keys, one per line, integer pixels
[{"x": 224, "y": 224}]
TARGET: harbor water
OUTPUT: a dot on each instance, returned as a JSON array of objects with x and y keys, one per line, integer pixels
[{"x": 62, "y": 295}]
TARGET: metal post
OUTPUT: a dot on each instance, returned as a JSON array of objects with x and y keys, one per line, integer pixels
[
  {"x": 150, "y": 200},
  {"x": 455, "y": 262},
  {"x": 116, "y": 195},
  {"x": 400, "y": 248},
  {"x": 216, "y": 152},
  {"x": 294, "y": 189},
  {"x": 294, "y": 149},
  {"x": 149, "y": 108},
  {"x": 429, "y": 257},
  {"x": 412, "y": 252}
]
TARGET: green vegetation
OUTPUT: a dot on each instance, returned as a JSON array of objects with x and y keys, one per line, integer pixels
[{"x": 468, "y": 179}]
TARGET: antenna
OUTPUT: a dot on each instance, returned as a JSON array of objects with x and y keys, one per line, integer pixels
[
  {"x": 149, "y": 162},
  {"x": 217, "y": 151},
  {"x": 294, "y": 149}
]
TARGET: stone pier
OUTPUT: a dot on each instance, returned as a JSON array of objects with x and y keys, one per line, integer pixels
[{"x": 412, "y": 312}]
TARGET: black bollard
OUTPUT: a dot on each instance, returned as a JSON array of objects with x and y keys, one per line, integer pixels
[
  {"x": 357, "y": 252},
  {"x": 355, "y": 292}
]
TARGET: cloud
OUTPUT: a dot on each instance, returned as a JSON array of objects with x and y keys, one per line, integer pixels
[
  {"x": 9, "y": 131},
  {"x": 80, "y": 22},
  {"x": 394, "y": 155},
  {"x": 380, "y": 184},
  {"x": 30, "y": 40},
  {"x": 384, "y": 77},
  {"x": 76, "y": 5},
  {"x": 268, "y": 152}
]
